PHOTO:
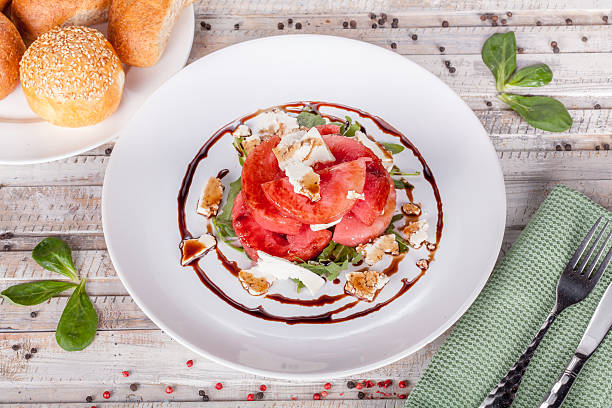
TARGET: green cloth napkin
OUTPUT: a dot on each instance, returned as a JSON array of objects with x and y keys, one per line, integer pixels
[{"x": 511, "y": 308}]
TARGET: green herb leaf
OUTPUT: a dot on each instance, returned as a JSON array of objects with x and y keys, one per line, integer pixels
[
  {"x": 237, "y": 143},
  {"x": 395, "y": 171},
  {"x": 349, "y": 128},
  {"x": 394, "y": 148},
  {"x": 300, "y": 285},
  {"x": 223, "y": 221},
  {"x": 401, "y": 242},
  {"x": 34, "y": 293},
  {"x": 310, "y": 119},
  {"x": 540, "y": 112},
  {"x": 79, "y": 322},
  {"x": 499, "y": 54},
  {"x": 329, "y": 271},
  {"x": 54, "y": 255},
  {"x": 402, "y": 184},
  {"x": 532, "y": 76},
  {"x": 335, "y": 252}
]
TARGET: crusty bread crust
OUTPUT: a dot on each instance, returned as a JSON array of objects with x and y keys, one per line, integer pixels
[
  {"x": 139, "y": 29},
  {"x": 11, "y": 50},
  {"x": 72, "y": 77},
  {"x": 34, "y": 17}
]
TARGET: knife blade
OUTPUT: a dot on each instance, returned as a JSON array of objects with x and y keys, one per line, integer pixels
[{"x": 598, "y": 326}]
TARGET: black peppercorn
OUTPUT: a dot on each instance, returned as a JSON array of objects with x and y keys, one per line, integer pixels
[
  {"x": 414, "y": 37},
  {"x": 452, "y": 70},
  {"x": 383, "y": 16},
  {"x": 597, "y": 106},
  {"x": 568, "y": 147},
  {"x": 489, "y": 104},
  {"x": 201, "y": 393},
  {"x": 597, "y": 147},
  {"x": 33, "y": 350},
  {"x": 298, "y": 26},
  {"x": 395, "y": 23},
  {"x": 509, "y": 14},
  {"x": 504, "y": 21},
  {"x": 605, "y": 19},
  {"x": 606, "y": 146},
  {"x": 345, "y": 24},
  {"x": 16, "y": 347},
  {"x": 584, "y": 39},
  {"x": 33, "y": 314},
  {"x": 205, "y": 398},
  {"x": 394, "y": 46},
  {"x": 207, "y": 27},
  {"x": 556, "y": 50},
  {"x": 558, "y": 148},
  {"x": 89, "y": 398},
  {"x": 289, "y": 21},
  {"x": 374, "y": 25},
  {"x": 442, "y": 49},
  {"x": 372, "y": 16},
  {"x": 27, "y": 356},
  {"x": 361, "y": 395},
  {"x": 520, "y": 50},
  {"x": 568, "y": 21},
  {"x": 350, "y": 385},
  {"x": 353, "y": 24},
  {"x": 445, "y": 23},
  {"x": 259, "y": 395},
  {"x": 553, "y": 44},
  {"x": 538, "y": 23},
  {"x": 447, "y": 63},
  {"x": 381, "y": 21},
  {"x": 280, "y": 26},
  {"x": 133, "y": 387},
  {"x": 108, "y": 151},
  {"x": 236, "y": 26}
]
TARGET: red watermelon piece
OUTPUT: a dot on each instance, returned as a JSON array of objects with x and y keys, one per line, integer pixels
[
  {"x": 376, "y": 191},
  {"x": 335, "y": 183},
  {"x": 260, "y": 167},
  {"x": 328, "y": 129},
  {"x": 351, "y": 231},
  {"x": 305, "y": 245}
]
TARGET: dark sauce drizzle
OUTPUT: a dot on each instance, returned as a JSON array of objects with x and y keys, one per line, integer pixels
[{"x": 232, "y": 266}]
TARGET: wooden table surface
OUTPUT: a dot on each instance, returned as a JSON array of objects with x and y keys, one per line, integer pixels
[{"x": 63, "y": 197}]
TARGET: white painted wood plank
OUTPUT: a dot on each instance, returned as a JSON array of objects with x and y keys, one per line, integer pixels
[
  {"x": 379, "y": 403},
  {"x": 154, "y": 361}
]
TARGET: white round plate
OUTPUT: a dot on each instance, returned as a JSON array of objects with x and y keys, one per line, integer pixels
[
  {"x": 139, "y": 203},
  {"x": 25, "y": 138}
]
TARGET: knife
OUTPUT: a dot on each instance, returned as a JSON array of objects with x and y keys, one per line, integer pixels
[{"x": 596, "y": 331}]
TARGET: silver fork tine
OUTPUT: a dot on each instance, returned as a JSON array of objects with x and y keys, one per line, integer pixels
[
  {"x": 582, "y": 247},
  {"x": 604, "y": 263},
  {"x": 593, "y": 246}
]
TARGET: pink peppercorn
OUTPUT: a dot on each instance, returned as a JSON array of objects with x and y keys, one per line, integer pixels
[
  {"x": 189, "y": 363},
  {"x": 106, "y": 394}
]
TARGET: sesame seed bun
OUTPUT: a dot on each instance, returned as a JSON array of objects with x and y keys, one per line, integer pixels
[
  {"x": 11, "y": 50},
  {"x": 139, "y": 29},
  {"x": 34, "y": 17},
  {"x": 72, "y": 77}
]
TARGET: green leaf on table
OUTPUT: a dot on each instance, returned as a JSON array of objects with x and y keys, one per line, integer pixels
[
  {"x": 349, "y": 127},
  {"x": 77, "y": 326},
  {"x": 34, "y": 293},
  {"x": 532, "y": 76},
  {"x": 499, "y": 55},
  {"x": 55, "y": 255},
  {"x": 540, "y": 112},
  {"x": 310, "y": 119},
  {"x": 223, "y": 221},
  {"x": 394, "y": 148},
  {"x": 401, "y": 242}
]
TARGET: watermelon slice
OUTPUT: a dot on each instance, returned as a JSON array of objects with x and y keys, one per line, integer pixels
[
  {"x": 336, "y": 182},
  {"x": 375, "y": 190},
  {"x": 328, "y": 129},
  {"x": 260, "y": 167},
  {"x": 351, "y": 231},
  {"x": 306, "y": 244}
]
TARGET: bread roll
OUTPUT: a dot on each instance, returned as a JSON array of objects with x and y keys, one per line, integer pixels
[
  {"x": 11, "y": 50},
  {"x": 34, "y": 17},
  {"x": 139, "y": 29},
  {"x": 72, "y": 77}
]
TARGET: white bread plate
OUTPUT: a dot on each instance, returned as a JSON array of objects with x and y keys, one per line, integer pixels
[{"x": 25, "y": 138}]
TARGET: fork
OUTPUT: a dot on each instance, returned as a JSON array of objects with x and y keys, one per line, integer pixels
[{"x": 575, "y": 283}]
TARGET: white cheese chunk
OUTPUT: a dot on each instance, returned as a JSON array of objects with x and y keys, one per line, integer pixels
[
  {"x": 195, "y": 248},
  {"x": 383, "y": 154},
  {"x": 319, "y": 227},
  {"x": 374, "y": 251},
  {"x": 353, "y": 194},
  {"x": 211, "y": 197},
  {"x": 296, "y": 153},
  {"x": 416, "y": 233},
  {"x": 272, "y": 268},
  {"x": 364, "y": 285},
  {"x": 274, "y": 122},
  {"x": 242, "y": 131}
]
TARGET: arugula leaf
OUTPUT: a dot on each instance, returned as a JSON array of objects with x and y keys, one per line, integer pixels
[
  {"x": 402, "y": 184},
  {"x": 335, "y": 252},
  {"x": 300, "y": 284},
  {"x": 77, "y": 326},
  {"x": 310, "y": 119},
  {"x": 223, "y": 221},
  {"x": 401, "y": 242},
  {"x": 237, "y": 143},
  {"x": 540, "y": 112},
  {"x": 395, "y": 171},
  {"x": 532, "y": 76},
  {"x": 34, "y": 293},
  {"x": 394, "y": 148},
  {"x": 55, "y": 255},
  {"x": 349, "y": 128},
  {"x": 499, "y": 54},
  {"x": 329, "y": 271}
]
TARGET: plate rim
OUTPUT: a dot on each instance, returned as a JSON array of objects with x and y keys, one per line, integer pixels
[
  {"x": 116, "y": 134},
  {"x": 450, "y": 321}
]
